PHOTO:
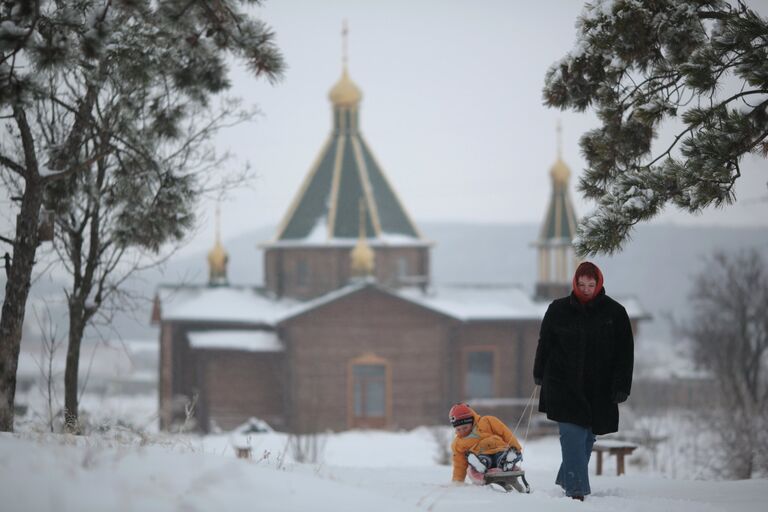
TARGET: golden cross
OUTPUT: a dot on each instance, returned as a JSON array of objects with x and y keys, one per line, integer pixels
[{"x": 344, "y": 33}]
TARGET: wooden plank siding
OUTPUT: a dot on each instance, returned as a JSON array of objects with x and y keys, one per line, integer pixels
[
  {"x": 413, "y": 340},
  {"x": 307, "y": 388},
  {"x": 328, "y": 268},
  {"x": 513, "y": 344},
  {"x": 238, "y": 385}
]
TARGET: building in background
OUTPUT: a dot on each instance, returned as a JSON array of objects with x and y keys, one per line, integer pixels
[
  {"x": 348, "y": 331},
  {"x": 557, "y": 260},
  {"x": 309, "y": 255}
]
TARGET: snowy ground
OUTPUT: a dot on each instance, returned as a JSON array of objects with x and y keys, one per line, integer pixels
[
  {"x": 136, "y": 468},
  {"x": 369, "y": 470}
]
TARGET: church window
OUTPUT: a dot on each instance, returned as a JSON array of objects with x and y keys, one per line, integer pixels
[
  {"x": 479, "y": 374},
  {"x": 370, "y": 392},
  {"x": 402, "y": 266},
  {"x": 302, "y": 272}
]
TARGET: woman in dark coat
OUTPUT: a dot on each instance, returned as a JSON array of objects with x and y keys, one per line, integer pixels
[{"x": 584, "y": 365}]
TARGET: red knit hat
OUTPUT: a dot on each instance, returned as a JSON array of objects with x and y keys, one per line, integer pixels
[
  {"x": 461, "y": 414},
  {"x": 587, "y": 269}
]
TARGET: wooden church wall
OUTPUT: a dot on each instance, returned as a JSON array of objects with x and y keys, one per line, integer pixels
[
  {"x": 513, "y": 346},
  {"x": 367, "y": 326},
  {"x": 306, "y": 272},
  {"x": 239, "y": 385}
]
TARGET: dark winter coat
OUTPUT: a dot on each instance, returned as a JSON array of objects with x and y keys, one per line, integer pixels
[{"x": 584, "y": 357}]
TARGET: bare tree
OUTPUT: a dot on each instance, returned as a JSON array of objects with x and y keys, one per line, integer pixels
[
  {"x": 190, "y": 413},
  {"x": 158, "y": 61},
  {"x": 114, "y": 217},
  {"x": 729, "y": 335},
  {"x": 307, "y": 448},
  {"x": 51, "y": 342},
  {"x": 442, "y": 437}
]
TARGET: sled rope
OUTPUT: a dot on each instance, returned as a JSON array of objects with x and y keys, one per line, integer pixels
[{"x": 530, "y": 415}]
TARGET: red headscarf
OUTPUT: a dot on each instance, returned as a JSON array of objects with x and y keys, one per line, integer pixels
[{"x": 590, "y": 270}]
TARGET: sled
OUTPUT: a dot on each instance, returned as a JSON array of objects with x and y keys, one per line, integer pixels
[{"x": 508, "y": 480}]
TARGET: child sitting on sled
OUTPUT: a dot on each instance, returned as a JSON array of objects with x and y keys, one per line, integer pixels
[{"x": 484, "y": 442}]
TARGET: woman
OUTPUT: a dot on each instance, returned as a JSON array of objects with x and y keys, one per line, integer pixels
[{"x": 584, "y": 367}]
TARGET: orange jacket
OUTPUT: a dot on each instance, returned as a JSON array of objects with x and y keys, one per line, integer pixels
[{"x": 489, "y": 435}]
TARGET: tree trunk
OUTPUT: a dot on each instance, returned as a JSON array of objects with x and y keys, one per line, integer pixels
[
  {"x": 20, "y": 273},
  {"x": 76, "y": 329},
  {"x": 16, "y": 292},
  {"x": 80, "y": 312}
]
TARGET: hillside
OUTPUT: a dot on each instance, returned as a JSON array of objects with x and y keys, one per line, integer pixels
[{"x": 656, "y": 266}]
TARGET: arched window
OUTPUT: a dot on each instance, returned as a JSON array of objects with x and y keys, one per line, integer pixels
[{"x": 370, "y": 392}]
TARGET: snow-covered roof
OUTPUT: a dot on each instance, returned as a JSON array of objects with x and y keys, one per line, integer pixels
[
  {"x": 327, "y": 298},
  {"x": 462, "y": 302},
  {"x": 384, "y": 240},
  {"x": 250, "y": 341},
  {"x": 474, "y": 302},
  {"x": 662, "y": 359},
  {"x": 478, "y": 302},
  {"x": 634, "y": 309},
  {"x": 222, "y": 304}
]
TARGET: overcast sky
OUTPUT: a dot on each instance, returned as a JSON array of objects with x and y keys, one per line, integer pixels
[{"x": 452, "y": 108}]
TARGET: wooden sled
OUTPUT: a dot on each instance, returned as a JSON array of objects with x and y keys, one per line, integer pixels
[{"x": 507, "y": 479}]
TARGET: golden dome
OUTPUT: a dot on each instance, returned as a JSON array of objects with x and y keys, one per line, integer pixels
[
  {"x": 345, "y": 93},
  {"x": 217, "y": 262},
  {"x": 217, "y": 257},
  {"x": 362, "y": 258},
  {"x": 560, "y": 172}
]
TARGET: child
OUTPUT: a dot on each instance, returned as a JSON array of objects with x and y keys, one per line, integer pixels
[{"x": 485, "y": 442}]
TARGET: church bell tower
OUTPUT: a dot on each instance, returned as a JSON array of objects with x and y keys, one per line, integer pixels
[
  {"x": 556, "y": 257},
  {"x": 346, "y": 202}
]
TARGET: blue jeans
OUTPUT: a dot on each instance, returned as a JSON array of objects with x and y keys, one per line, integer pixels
[{"x": 576, "y": 445}]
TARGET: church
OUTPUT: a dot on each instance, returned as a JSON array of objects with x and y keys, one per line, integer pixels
[{"x": 348, "y": 330}]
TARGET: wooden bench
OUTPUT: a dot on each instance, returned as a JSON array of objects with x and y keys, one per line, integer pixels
[{"x": 618, "y": 448}]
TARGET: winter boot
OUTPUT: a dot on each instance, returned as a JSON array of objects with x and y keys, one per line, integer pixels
[
  {"x": 510, "y": 459},
  {"x": 476, "y": 463}
]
